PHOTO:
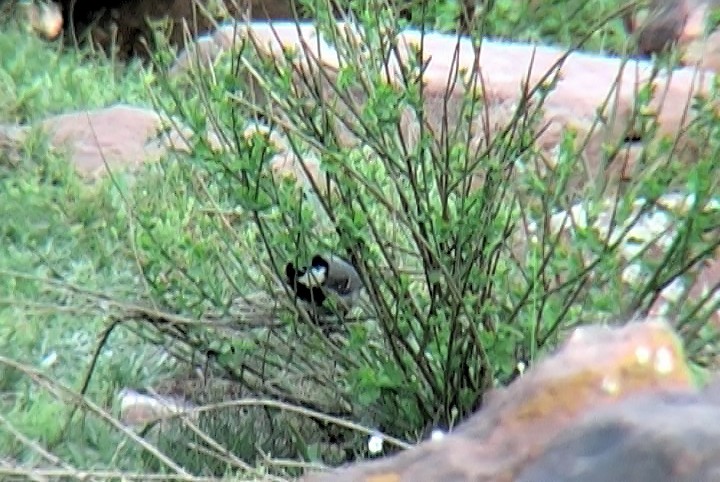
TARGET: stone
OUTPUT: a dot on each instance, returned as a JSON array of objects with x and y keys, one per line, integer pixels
[
  {"x": 664, "y": 23},
  {"x": 116, "y": 137},
  {"x": 667, "y": 437},
  {"x": 138, "y": 409},
  {"x": 125, "y": 138},
  {"x": 597, "y": 367},
  {"x": 586, "y": 84}
]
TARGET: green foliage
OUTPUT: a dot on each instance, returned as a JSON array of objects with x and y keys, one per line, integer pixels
[
  {"x": 560, "y": 22},
  {"x": 451, "y": 306},
  {"x": 189, "y": 255},
  {"x": 60, "y": 240},
  {"x": 37, "y": 79}
]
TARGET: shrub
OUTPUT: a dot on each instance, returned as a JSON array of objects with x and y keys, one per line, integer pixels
[
  {"x": 426, "y": 205},
  {"x": 454, "y": 234}
]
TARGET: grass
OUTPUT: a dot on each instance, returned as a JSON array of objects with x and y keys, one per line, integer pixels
[
  {"x": 58, "y": 227},
  {"x": 73, "y": 255}
]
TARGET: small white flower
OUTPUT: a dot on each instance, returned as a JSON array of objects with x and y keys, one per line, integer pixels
[
  {"x": 49, "y": 360},
  {"x": 375, "y": 444},
  {"x": 674, "y": 291},
  {"x": 633, "y": 274}
]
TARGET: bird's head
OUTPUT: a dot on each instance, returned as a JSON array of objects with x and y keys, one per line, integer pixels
[{"x": 316, "y": 274}]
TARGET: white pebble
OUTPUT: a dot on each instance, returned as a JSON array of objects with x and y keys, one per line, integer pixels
[
  {"x": 437, "y": 435},
  {"x": 375, "y": 444}
]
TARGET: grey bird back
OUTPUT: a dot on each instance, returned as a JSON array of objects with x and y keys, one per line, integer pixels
[{"x": 342, "y": 277}]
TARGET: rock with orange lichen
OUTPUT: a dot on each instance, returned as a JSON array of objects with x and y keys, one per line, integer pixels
[{"x": 596, "y": 368}]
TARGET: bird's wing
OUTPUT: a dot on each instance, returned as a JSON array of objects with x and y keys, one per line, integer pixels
[{"x": 341, "y": 286}]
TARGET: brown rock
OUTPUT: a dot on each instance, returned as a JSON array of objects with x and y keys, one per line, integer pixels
[
  {"x": 663, "y": 25},
  {"x": 597, "y": 367},
  {"x": 116, "y": 137},
  {"x": 122, "y": 137},
  {"x": 137, "y": 409},
  {"x": 119, "y": 137},
  {"x": 587, "y": 84},
  {"x": 650, "y": 439}
]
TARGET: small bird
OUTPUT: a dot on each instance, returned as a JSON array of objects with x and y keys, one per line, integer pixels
[{"x": 328, "y": 277}]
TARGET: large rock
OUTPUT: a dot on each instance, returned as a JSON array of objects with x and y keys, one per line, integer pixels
[
  {"x": 667, "y": 437},
  {"x": 664, "y": 23},
  {"x": 124, "y": 138},
  {"x": 114, "y": 138},
  {"x": 595, "y": 369},
  {"x": 594, "y": 95},
  {"x": 117, "y": 137}
]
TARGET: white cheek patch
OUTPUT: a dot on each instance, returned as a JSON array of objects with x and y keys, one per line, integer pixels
[{"x": 313, "y": 277}]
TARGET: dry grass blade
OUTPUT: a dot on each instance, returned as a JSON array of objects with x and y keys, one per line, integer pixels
[{"x": 68, "y": 395}]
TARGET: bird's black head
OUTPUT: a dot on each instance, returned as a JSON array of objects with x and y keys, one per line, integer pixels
[{"x": 319, "y": 262}]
